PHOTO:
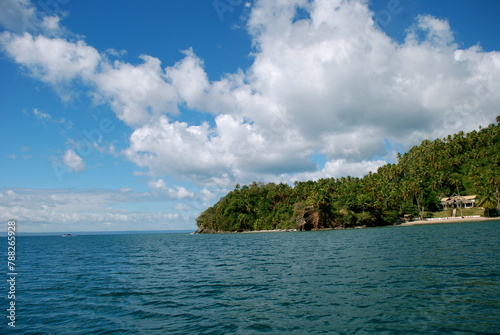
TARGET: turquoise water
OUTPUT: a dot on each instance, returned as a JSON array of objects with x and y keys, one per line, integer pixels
[{"x": 432, "y": 279}]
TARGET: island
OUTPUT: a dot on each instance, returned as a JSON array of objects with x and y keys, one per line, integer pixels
[{"x": 461, "y": 167}]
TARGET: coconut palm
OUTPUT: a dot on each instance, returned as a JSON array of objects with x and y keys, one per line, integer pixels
[{"x": 489, "y": 202}]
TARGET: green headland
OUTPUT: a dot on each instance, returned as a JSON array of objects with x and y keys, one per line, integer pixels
[{"x": 454, "y": 176}]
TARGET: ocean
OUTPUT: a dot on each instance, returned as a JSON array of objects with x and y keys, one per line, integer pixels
[{"x": 426, "y": 279}]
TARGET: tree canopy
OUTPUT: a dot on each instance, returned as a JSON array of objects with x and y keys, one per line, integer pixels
[{"x": 458, "y": 164}]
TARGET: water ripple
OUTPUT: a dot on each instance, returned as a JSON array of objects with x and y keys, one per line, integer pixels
[{"x": 423, "y": 280}]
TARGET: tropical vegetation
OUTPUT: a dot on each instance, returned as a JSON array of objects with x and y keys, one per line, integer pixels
[{"x": 460, "y": 164}]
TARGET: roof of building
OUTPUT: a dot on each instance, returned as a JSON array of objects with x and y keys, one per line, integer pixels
[{"x": 458, "y": 198}]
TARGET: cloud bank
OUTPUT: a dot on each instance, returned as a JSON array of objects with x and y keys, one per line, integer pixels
[{"x": 88, "y": 210}]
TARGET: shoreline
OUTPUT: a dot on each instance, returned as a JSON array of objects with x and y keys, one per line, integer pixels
[
  {"x": 268, "y": 231},
  {"x": 411, "y": 223},
  {"x": 449, "y": 220},
  {"x": 405, "y": 224}
]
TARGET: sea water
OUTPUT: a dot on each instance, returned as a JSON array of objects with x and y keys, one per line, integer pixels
[{"x": 432, "y": 279}]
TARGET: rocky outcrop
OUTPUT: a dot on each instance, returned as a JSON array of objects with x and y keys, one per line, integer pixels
[
  {"x": 205, "y": 230},
  {"x": 309, "y": 219},
  {"x": 208, "y": 230}
]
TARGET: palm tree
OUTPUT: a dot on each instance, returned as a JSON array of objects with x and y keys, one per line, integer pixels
[{"x": 489, "y": 202}]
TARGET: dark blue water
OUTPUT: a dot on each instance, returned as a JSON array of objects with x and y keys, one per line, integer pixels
[{"x": 432, "y": 279}]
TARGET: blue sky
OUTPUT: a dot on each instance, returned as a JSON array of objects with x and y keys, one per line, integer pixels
[{"x": 117, "y": 115}]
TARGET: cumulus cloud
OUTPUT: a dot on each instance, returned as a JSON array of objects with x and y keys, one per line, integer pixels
[
  {"x": 52, "y": 60},
  {"x": 342, "y": 77},
  {"x": 17, "y": 15},
  {"x": 340, "y": 168},
  {"x": 178, "y": 192},
  {"x": 20, "y": 16},
  {"x": 137, "y": 93},
  {"x": 327, "y": 81},
  {"x": 232, "y": 149},
  {"x": 73, "y": 161},
  {"x": 435, "y": 32}
]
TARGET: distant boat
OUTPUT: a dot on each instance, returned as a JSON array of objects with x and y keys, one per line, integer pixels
[{"x": 67, "y": 235}]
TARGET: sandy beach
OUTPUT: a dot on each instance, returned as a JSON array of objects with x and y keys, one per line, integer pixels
[
  {"x": 269, "y": 231},
  {"x": 412, "y": 223},
  {"x": 450, "y": 220}
]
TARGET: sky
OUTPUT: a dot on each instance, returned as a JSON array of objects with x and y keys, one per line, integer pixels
[{"x": 123, "y": 115}]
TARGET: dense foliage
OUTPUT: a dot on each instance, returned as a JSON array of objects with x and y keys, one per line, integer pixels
[{"x": 459, "y": 164}]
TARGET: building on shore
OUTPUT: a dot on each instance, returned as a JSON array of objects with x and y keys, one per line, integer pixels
[{"x": 458, "y": 201}]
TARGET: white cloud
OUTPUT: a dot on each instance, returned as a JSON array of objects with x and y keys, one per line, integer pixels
[
  {"x": 52, "y": 60},
  {"x": 190, "y": 80},
  {"x": 40, "y": 115},
  {"x": 90, "y": 210},
  {"x": 45, "y": 117},
  {"x": 182, "y": 207},
  {"x": 178, "y": 192},
  {"x": 73, "y": 161},
  {"x": 136, "y": 93},
  {"x": 232, "y": 150},
  {"x": 328, "y": 82},
  {"x": 437, "y": 32},
  {"x": 17, "y": 15},
  {"x": 20, "y": 16},
  {"x": 208, "y": 195},
  {"x": 51, "y": 23},
  {"x": 341, "y": 168},
  {"x": 344, "y": 87},
  {"x": 116, "y": 53}
]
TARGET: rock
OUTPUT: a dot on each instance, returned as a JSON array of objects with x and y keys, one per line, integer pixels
[
  {"x": 309, "y": 219},
  {"x": 205, "y": 230}
]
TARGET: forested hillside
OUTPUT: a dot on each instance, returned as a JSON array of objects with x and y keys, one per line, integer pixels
[{"x": 458, "y": 164}]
